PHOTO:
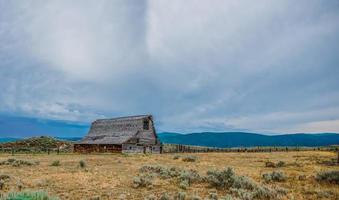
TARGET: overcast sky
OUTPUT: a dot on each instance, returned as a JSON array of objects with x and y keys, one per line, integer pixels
[{"x": 260, "y": 66}]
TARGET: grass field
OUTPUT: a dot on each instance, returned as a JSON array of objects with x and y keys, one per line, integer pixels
[{"x": 110, "y": 176}]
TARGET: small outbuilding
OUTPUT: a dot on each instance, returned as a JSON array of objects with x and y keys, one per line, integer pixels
[{"x": 132, "y": 134}]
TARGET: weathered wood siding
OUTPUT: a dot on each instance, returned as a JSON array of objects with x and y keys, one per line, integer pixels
[
  {"x": 147, "y": 136},
  {"x": 97, "y": 148},
  {"x": 134, "y": 148}
]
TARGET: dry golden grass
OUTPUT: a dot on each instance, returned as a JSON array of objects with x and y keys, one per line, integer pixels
[{"x": 109, "y": 175}]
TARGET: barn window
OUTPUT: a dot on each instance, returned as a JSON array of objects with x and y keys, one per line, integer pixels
[{"x": 146, "y": 124}]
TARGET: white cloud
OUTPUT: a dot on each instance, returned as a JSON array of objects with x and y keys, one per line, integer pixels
[
  {"x": 83, "y": 39},
  {"x": 286, "y": 121},
  {"x": 329, "y": 126},
  {"x": 221, "y": 65}
]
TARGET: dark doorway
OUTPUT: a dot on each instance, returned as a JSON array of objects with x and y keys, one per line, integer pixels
[{"x": 146, "y": 125}]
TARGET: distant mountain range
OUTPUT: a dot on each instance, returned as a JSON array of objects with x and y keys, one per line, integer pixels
[
  {"x": 236, "y": 139},
  {"x": 243, "y": 139}
]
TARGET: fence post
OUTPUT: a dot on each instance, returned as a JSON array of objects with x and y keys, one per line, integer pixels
[
  {"x": 12, "y": 151},
  {"x": 58, "y": 150}
]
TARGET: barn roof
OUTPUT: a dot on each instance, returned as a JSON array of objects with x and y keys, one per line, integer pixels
[
  {"x": 101, "y": 133},
  {"x": 135, "y": 117}
]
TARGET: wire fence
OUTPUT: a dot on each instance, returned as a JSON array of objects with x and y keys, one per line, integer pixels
[
  {"x": 174, "y": 148},
  {"x": 178, "y": 148}
]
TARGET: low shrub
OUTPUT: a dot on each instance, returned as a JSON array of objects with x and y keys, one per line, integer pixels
[
  {"x": 228, "y": 197},
  {"x": 274, "y": 165},
  {"x": 29, "y": 195},
  {"x": 174, "y": 172},
  {"x": 180, "y": 196},
  {"x": 184, "y": 184},
  {"x": 151, "y": 197},
  {"x": 189, "y": 158},
  {"x": 194, "y": 197},
  {"x": 220, "y": 179},
  {"x": 259, "y": 192},
  {"x": 2, "y": 184},
  {"x": 243, "y": 182},
  {"x": 243, "y": 194},
  {"x": 332, "y": 162},
  {"x": 302, "y": 177},
  {"x": 20, "y": 186},
  {"x": 281, "y": 164},
  {"x": 282, "y": 191},
  {"x": 150, "y": 168},
  {"x": 122, "y": 197},
  {"x": 82, "y": 164},
  {"x": 176, "y": 157},
  {"x": 17, "y": 163},
  {"x": 4, "y": 178},
  {"x": 212, "y": 195},
  {"x": 162, "y": 171},
  {"x": 328, "y": 176},
  {"x": 262, "y": 192},
  {"x": 41, "y": 183},
  {"x": 190, "y": 176},
  {"x": 270, "y": 164},
  {"x": 241, "y": 186},
  {"x": 274, "y": 176},
  {"x": 164, "y": 196},
  {"x": 185, "y": 177},
  {"x": 56, "y": 163},
  {"x": 143, "y": 181},
  {"x": 326, "y": 195}
]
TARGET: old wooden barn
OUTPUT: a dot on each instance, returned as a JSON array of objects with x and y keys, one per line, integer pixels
[{"x": 132, "y": 134}]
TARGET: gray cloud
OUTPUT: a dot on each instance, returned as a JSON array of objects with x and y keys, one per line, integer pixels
[{"x": 221, "y": 65}]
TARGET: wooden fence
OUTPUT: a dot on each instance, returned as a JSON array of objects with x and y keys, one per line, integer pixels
[{"x": 178, "y": 148}]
